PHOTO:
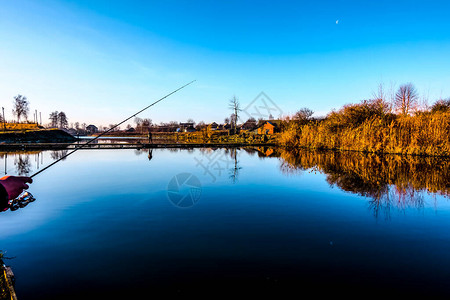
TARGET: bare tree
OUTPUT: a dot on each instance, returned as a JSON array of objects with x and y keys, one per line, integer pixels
[
  {"x": 142, "y": 125},
  {"x": 138, "y": 122},
  {"x": 380, "y": 94},
  {"x": 381, "y": 98},
  {"x": 146, "y": 123},
  {"x": 20, "y": 107},
  {"x": 54, "y": 119},
  {"x": 303, "y": 114},
  {"x": 406, "y": 98},
  {"x": 233, "y": 120},
  {"x": 423, "y": 102},
  {"x": 62, "y": 120},
  {"x": 200, "y": 125},
  {"x": 235, "y": 106}
]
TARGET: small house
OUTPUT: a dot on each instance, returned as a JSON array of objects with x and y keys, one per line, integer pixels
[
  {"x": 226, "y": 126},
  {"x": 187, "y": 127},
  {"x": 268, "y": 127},
  {"x": 213, "y": 126},
  {"x": 91, "y": 129},
  {"x": 249, "y": 125}
]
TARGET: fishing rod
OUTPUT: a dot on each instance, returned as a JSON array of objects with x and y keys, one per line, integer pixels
[
  {"x": 27, "y": 197},
  {"x": 105, "y": 132}
]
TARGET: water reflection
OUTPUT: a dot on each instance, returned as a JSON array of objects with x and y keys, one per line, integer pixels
[
  {"x": 388, "y": 180},
  {"x": 268, "y": 224},
  {"x": 58, "y": 154},
  {"x": 23, "y": 165},
  {"x": 234, "y": 170},
  {"x": 215, "y": 161},
  {"x": 26, "y": 162},
  {"x": 150, "y": 154}
]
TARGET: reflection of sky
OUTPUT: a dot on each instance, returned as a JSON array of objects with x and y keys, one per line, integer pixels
[
  {"x": 99, "y": 205},
  {"x": 88, "y": 175}
]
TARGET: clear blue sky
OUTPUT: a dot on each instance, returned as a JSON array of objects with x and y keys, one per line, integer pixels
[{"x": 100, "y": 61}]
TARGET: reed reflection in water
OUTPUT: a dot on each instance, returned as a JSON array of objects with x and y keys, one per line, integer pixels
[{"x": 389, "y": 180}]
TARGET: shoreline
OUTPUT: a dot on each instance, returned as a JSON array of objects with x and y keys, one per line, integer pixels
[
  {"x": 35, "y": 136},
  {"x": 299, "y": 148},
  {"x": 54, "y": 139},
  {"x": 70, "y": 146},
  {"x": 118, "y": 146}
]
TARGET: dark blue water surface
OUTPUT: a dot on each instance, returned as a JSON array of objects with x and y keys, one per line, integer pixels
[{"x": 112, "y": 223}]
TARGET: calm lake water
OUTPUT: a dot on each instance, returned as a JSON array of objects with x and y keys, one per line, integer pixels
[{"x": 109, "y": 223}]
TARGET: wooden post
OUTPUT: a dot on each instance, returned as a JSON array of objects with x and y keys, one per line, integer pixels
[{"x": 4, "y": 121}]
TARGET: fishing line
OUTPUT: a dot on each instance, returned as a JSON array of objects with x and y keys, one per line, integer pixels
[{"x": 105, "y": 132}]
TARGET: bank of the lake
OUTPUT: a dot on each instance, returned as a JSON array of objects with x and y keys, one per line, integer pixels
[
  {"x": 425, "y": 134},
  {"x": 36, "y": 136}
]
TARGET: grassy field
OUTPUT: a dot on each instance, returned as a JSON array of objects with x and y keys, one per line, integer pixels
[{"x": 19, "y": 126}]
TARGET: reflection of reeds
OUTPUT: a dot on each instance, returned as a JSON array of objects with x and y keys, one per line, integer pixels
[
  {"x": 421, "y": 173},
  {"x": 387, "y": 179}
]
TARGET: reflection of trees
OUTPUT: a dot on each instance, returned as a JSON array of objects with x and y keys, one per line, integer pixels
[
  {"x": 58, "y": 154},
  {"x": 22, "y": 164},
  {"x": 390, "y": 180},
  {"x": 395, "y": 197},
  {"x": 234, "y": 171},
  {"x": 22, "y": 160},
  {"x": 249, "y": 151}
]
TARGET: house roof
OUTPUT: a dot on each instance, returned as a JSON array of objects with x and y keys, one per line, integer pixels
[
  {"x": 275, "y": 123},
  {"x": 249, "y": 124}
]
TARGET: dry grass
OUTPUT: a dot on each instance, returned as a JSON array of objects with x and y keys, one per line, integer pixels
[
  {"x": 19, "y": 126},
  {"x": 421, "y": 134}
]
